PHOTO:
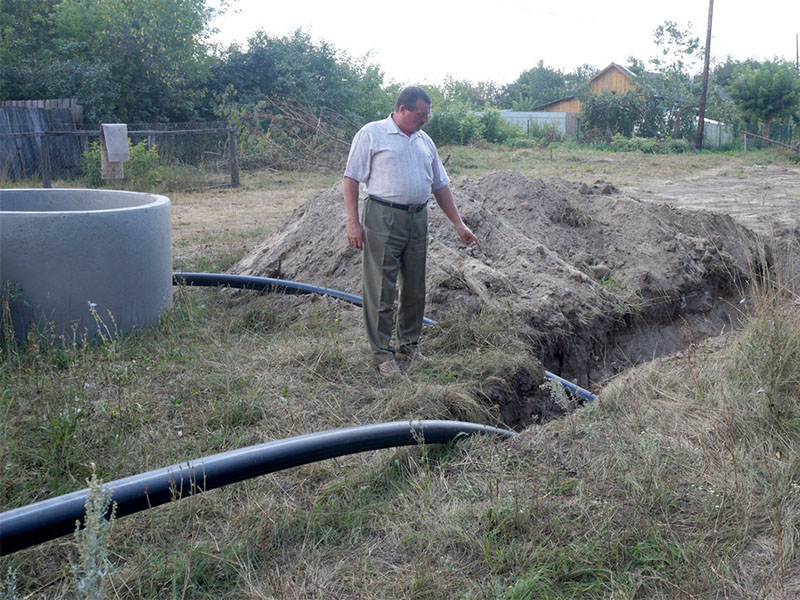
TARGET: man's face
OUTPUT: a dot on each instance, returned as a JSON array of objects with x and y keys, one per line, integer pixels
[{"x": 411, "y": 120}]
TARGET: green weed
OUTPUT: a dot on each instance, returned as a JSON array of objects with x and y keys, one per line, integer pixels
[{"x": 92, "y": 568}]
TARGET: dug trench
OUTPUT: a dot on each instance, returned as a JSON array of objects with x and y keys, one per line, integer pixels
[{"x": 596, "y": 280}]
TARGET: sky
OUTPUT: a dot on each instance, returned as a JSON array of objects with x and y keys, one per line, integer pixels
[{"x": 426, "y": 42}]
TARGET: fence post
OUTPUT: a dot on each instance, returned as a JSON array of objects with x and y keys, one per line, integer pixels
[
  {"x": 745, "y": 141},
  {"x": 44, "y": 160},
  {"x": 234, "y": 157}
]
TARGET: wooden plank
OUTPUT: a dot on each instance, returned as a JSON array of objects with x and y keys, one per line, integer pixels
[
  {"x": 44, "y": 161},
  {"x": 766, "y": 139},
  {"x": 233, "y": 151}
]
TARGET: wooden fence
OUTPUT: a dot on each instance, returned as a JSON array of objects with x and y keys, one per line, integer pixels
[
  {"x": 770, "y": 142},
  {"x": 70, "y": 104},
  {"x": 21, "y": 151},
  {"x": 40, "y": 145}
]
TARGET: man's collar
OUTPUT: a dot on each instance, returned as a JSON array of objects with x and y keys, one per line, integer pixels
[{"x": 391, "y": 127}]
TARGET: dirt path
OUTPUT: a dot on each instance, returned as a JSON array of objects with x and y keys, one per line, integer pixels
[{"x": 760, "y": 196}]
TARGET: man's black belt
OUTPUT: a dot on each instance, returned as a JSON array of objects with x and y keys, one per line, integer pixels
[{"x": 412, "y": 208}]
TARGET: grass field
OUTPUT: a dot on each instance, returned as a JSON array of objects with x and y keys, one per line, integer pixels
[{"x": 681, "y": 481}]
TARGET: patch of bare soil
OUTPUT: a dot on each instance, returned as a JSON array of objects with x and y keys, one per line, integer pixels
[
  {"x": 764, "y": 197},
  {"x": 597, "y": 279}
]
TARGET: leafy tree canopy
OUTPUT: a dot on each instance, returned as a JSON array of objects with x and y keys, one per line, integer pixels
[
  {"x": 472, "y": 95},
  {"x": 535, "y": 86},
  {"x": 666, "y": 90},
  {"x": 767, "y": 92},
  {"x": 25, "y": 46},
  {"x": 133, "y": 61},
  {"x": 314, "y": 74}
]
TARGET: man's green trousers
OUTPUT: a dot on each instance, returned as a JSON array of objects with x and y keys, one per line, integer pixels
[{"x": 395, "y": 250}]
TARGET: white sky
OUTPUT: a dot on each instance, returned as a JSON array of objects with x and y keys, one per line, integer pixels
[{"x": 423, "y": 42}]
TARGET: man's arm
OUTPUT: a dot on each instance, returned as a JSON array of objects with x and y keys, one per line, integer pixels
[
  {"x": 355, "y": 233},
  {"x": 444, "y": 197}
]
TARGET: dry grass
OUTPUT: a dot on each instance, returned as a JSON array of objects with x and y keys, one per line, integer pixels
[
  {"x": 682, "y": 481},
  {"x": 213, "y": 229}
]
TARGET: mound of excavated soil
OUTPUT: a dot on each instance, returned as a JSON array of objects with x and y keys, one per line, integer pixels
[{"x": 597, "y": 280}]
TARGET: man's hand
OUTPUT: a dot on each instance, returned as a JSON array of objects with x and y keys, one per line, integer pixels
[
  {"x": 444, "y": 197},
  {"x": 466, "y": 235},
  {"x": 355, "y": 235}
]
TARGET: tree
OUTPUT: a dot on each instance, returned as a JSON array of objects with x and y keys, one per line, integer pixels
[
  {"x": 533, "y": 87},
  {"x": 767, "y": 92},
  {"x": 130, "y": 61},
  {"x": 155, "y": 50},
  {"x": 315, "y": 74},
  {"x": 725, "y": 72},
  {"x": 678, "y": 49},
  {"x": 606, "y": 114},
  {"x": 473, "y": 95},
  {"x": 579, "y": 80},
  {"x": 667, "y": 90},
  {"x": 26, "y": 42}
]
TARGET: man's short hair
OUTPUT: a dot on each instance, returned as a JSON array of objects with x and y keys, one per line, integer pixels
[{"x": 409, "y": 97}]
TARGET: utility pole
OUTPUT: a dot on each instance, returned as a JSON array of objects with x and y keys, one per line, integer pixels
[{"x": 701, "y": 117}]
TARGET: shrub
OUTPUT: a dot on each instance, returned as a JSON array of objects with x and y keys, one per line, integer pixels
[
  {"x": 142, "y": 172},
  {"x": 677, "y": 146},
  {"x": 495, "y": 129},
  {"x": 90, "y": 165},
  {"x": 455, "y": 125},
  {"x": 547, "y": 133},
  {"x": 620, "y": 143},
  {"x": 142, "y": 169}
]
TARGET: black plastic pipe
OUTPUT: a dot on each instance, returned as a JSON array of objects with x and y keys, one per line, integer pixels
[
  {"x": 571, "y": 388},
  {"x": 46, "y": 520},
  {"x": 268, "y": 284}
]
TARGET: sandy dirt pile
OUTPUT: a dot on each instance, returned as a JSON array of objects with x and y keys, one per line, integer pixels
[{"x": 597, "y": 279}]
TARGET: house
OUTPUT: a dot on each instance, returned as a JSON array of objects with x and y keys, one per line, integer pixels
[
  {"x": 614, "y": 78},
  {"x": 570, "y": 104}
]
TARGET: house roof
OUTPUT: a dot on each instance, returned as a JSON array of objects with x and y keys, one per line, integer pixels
[
  {"x": 626, "y": 71},
  {"x": 546, "y": 104}
]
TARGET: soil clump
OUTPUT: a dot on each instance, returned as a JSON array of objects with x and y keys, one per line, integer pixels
[{"x": 596, "y": 279}]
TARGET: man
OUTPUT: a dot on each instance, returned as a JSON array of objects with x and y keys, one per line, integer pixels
[{"x": 400, "y": 167}]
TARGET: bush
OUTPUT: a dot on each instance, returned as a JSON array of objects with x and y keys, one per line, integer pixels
[
  {"x": 495, "y": 129},
  {"x": 142, "y": 169},
  {"x": 620, "y": 143},
  {"x": 546, "y": 133},
  {"x": 455, "y": 125},
  {"x": 90, "y": 165},
  {"x": 677, "y": 146},
  {"x": 142, "y": 172}
]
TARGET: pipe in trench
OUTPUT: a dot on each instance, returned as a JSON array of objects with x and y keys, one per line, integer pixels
[
  {"x": 268, "y": 284},
  {"x": 46, "y": 520}
]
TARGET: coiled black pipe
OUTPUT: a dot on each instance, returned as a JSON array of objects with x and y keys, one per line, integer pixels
[
  {"x": 268, "y": 284},
  {"x": 46, "y": 520}
]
